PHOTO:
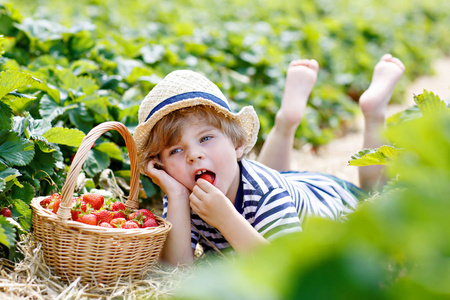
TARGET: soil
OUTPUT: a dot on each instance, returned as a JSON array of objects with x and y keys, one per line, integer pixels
[{"x": 333, "y": 158}]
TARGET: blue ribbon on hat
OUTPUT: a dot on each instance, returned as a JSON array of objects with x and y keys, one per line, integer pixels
[{"x": 188, "y": 95}]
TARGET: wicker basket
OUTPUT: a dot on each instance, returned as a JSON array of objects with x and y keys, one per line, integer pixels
[{"x": 96, "y": 254}]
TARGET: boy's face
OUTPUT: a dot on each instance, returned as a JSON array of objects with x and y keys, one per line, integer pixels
[{"x": 203, "y": 147}]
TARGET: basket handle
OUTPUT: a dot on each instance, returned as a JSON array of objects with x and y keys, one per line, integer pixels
[{"x": 80, "y": 157}]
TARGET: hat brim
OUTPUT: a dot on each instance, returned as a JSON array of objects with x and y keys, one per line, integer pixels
[{"x": 246, "y": 118}]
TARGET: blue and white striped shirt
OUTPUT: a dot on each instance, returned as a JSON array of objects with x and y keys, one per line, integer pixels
[{"x": 276, "y": 203}]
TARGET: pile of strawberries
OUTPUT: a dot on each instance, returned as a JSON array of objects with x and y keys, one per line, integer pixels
[{"x": 91, "y": 209}]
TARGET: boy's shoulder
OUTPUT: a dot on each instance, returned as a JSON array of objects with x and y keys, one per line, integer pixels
[{"x": 259, "y": 177}]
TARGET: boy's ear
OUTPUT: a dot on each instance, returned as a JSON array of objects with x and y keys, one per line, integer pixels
[{"x": 239, "y": 152}]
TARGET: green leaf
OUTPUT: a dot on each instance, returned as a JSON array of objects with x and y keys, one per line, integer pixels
[
  {"x": 429, "y": 103},
  {"x": 18, "y": 102},
  {"x": 24, "y": 193},
  {"x": 14, "y": 150},
  {"x": 111, "y": 149},
  {"x": 24, "y": 211},
  {"x": 49, "y": 109},
  {"x": 11, "y": 80},
  {"x": 64, "y": 136},
  {"x": 7, "y": 232},
  {"x": 369, "y": 157},
  {"x": 9, "y": 174},
  {"x": 5, "y": 116},
  {"x": 42, "y": 162},
  {"x": 96, "y": 162}
]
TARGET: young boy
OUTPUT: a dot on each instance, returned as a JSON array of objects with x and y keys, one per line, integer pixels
[{"x": 192, "y": 146}]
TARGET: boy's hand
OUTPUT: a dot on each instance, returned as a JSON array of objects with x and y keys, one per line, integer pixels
[
  {"x": 211, "y": 204},
  {"x": 167, "y": 183}
]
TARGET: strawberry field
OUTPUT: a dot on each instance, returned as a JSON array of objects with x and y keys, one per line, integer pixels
[{"x": 68, "y": 66}]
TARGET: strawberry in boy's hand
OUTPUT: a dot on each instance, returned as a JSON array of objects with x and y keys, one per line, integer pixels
[
  {"x": 95, "y": 200},
  {"x": 208, "y": 176}
]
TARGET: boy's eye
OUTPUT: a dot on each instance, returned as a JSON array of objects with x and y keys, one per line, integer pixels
[
  {"x": 206, "y": 138},
  {"x": 174, "y": 151}
]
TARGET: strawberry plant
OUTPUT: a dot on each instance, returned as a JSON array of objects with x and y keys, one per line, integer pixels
[{"x": 31, "y": 162}]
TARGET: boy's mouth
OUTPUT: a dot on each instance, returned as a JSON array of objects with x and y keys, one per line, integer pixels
[{"x": 206, "y": 175}]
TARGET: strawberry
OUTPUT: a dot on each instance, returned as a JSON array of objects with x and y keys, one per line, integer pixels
[
  {"x": 6, "y": 212},
  {"x": 149, "y": 222},
  {"x": 130, "y": 225},
  {"x": 45, "y": 202},
  {"x": 106, "y": 225},
  {"x": 56, "y": 205},
  {"x": 208, "y": 177},
  {"x": 104, "y": 215},
  {"x": 147, "y": 213},
  {"x": 88, "y": 218},
  {"x": 117, "y": 223},
  {"x": 95, "y": 200},
  {"x": 118, "y": 214},
  {"x": 78, "y": 206},
  {"x": 116, "y": 206},
  {"x": 137, "y": 217}
]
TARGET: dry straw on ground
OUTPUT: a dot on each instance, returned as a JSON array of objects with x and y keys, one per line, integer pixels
[{"x": 31, "y": 278}]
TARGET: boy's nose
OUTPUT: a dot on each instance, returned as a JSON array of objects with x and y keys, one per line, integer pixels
[{"x": 194, "y": 156}]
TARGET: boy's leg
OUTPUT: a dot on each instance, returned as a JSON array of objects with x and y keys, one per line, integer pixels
[
  {"x": 373, "y": 103},
  {"x": 276, "y": 151}
]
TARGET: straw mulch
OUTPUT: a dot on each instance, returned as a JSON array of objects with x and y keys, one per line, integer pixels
[{"x": 31, "y": 278}]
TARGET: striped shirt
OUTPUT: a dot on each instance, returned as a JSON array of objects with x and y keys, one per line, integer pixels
[{"x": 276, "y": 203}]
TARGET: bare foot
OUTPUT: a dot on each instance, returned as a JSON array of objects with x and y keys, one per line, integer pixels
[
  {"x": 373, "y": 102},
  {"x": 300, "y": 79}
]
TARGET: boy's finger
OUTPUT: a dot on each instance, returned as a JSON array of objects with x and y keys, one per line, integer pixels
[{"x": 199, "y": 192}]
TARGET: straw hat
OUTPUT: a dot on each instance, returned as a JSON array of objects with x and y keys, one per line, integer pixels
[{"x": 184, "y": 88}]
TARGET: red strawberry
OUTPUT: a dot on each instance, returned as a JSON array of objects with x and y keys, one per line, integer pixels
[
  {"x": 106, "y": 225},
  {"x": 89, "y": 219},
  {"x": 208, "y": 177},
  {"x": 147, "y": 213},
  {"x": 117, "y": 223},
  {"x": 118, "y": 214},
  {"x": 104, "y": 215},
  {"x": 45, "y": 202},
  {"x": 95, "y": 200},
  {"x": 56, "y": 205},
  {"x": 130, "y": 225},
  {"x": 6, "y": 212},
  {"x": 116, "y": 206},
  {"x": 149, "y": 222},
  {"x": 78, "y": 206}
]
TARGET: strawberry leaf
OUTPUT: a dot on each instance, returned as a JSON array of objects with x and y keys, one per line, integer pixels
[
  {"x": 429, "y": 103},
  {"x": 11, "y": 80},
  {"x": 5, "y": 116},
  {"x": 369, "y": 157},
  {"x": 7, "y": 232},
  {"x": 14, "y": 150},
  {"x": 64, "y": 136}
]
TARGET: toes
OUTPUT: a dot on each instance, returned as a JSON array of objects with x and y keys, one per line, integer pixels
[
  {"x": 310, "y": 63},
  {"x": 386, "y": 57},
  {"x": 395, "y": 60}
]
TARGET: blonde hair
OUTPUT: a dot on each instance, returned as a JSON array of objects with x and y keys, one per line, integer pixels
[{"x": 169, "y": 129}]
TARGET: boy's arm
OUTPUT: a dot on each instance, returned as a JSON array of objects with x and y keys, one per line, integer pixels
[
  {"x": 177, "y": 248},
  {"x": 218, "y": 211}
]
